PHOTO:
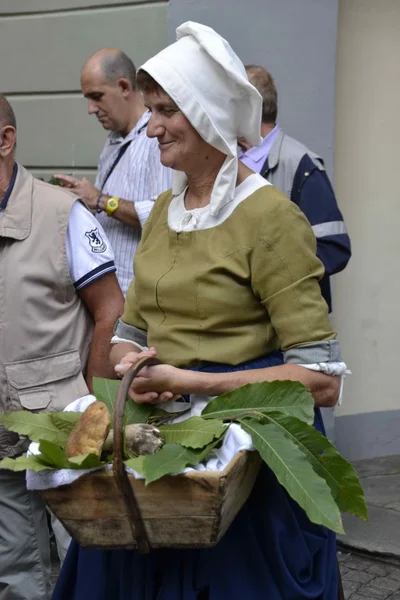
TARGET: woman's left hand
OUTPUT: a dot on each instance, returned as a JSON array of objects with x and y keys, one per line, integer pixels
[{"x": 157, "y": 384}]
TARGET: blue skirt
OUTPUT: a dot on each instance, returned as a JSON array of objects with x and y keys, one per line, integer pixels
[{"x": 271, "y": 551}]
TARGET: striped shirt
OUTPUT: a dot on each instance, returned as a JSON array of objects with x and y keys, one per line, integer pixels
[{"x": 140, "y": 177}]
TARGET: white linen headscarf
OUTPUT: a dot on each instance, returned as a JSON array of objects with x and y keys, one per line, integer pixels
[{"x": 208, "y": 82}]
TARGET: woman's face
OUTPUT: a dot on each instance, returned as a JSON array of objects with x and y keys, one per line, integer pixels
[{"x": 180, "y": 145}]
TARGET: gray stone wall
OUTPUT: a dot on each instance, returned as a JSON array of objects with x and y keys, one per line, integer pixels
[
  {"x": 43, "y": 44},
  {"x": 295, "y": 40}
]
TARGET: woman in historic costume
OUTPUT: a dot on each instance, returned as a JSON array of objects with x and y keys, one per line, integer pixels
[{"x": 226, "y": 293}]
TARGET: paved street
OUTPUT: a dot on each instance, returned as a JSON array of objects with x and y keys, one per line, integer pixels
[
  {"x": 380, "y": 479},
  {"x": 368, "y": 578}
]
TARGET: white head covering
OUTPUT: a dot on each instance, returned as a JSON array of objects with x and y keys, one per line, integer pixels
[{"x": 208, "y": 82}]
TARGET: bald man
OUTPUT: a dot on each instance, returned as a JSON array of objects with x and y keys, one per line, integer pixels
[{"x": 130, "y": 175}]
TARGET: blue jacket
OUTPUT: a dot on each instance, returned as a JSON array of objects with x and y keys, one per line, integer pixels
[{"x": 300, "y": 174}]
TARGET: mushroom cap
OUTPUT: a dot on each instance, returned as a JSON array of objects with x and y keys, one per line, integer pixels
[{"x": 90, "y": 432}]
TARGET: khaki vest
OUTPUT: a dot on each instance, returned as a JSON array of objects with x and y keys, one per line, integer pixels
[{"x": 45, "y": 329}]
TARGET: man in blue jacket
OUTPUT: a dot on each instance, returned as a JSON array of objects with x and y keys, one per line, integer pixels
[{"x": 300, "y": 174}]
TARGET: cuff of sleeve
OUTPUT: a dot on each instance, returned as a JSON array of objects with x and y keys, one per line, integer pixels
[
  {"x": 320, "y": 352},
  {"x": 129, "y": 333},
  {"x": 334, "y": 368},
  {"x": 143, "y": 209},
  {"x": 108, "y": 267},
  {"x": 118, "y": 340}
]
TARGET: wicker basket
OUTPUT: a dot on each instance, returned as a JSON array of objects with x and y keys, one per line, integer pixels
[{"x": 115, "y": 510}]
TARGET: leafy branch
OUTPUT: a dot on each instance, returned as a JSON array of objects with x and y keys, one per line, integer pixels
[{"x": 277, "y": 415}]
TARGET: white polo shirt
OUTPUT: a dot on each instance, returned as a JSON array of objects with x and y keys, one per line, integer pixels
[{"x": 89, "y": 253}]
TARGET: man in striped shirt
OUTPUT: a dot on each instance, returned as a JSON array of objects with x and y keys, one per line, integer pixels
[
  {"x": 130, "y": 175},
  {"x": 300, "y": 174}
]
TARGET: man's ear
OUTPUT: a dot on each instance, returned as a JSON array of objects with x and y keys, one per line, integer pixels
[
  {"x": 124, "y": 85},
  {"x": 8, "y": 137}
]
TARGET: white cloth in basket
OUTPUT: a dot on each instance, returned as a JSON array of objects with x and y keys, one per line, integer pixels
[{"x": 235, "y": 440}]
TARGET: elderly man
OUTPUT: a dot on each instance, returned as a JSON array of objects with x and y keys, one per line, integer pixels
[
  {"x": 300, "y": 174},
  {"x": 60, "y": 300},
  {"x": 130, "y": 175}
]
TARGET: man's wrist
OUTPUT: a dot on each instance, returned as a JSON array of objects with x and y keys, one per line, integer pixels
[
  {"x": 101, "y": 202},
  {"x": 97, "y": 206}
]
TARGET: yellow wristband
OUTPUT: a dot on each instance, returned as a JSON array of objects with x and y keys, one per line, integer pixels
[{"x": 111, "y": 206}]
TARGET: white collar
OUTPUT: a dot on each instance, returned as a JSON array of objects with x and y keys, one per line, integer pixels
[{"x": 180, "y": 219}]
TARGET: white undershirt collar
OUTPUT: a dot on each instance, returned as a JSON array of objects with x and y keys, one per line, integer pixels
[{"x": 180, "y": 219}]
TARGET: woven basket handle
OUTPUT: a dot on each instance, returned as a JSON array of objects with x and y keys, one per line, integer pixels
[{"x": 122, "y": 479}]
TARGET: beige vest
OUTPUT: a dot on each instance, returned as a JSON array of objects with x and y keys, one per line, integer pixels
[{"x": 45, "y": 329}]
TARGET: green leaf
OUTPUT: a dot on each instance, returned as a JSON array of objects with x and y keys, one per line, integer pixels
[
  {"x": 137, "y": 413},
  {"x": 159, "y": 416},
  {"x": 36, "y": 426},
  {"x": 295, "y": 473},
  {"x": 159, "y": 413},
  {"x": 290, "y": 397},
  {"x": 85, "y": 461},
  {"x": 65, "y": 421},
  {"x": 172, "y": 458},
  {"x": 53, "y": 455},
  {"x": 192, "y": 433},
  {"x": 22, "y": 463},
  {"x": 136, "y": 463},
  {"x": 106, "y": 390},
  {"x": 56, "y": 458},
  {"x": 339, "y": 474}
]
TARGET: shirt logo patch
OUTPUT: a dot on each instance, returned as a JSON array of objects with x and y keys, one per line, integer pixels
[{"x": 96, "y": 242}]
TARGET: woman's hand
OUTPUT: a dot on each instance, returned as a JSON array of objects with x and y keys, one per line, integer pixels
[
  {"x": 131, "y": 358},
  {"x": 153, "y": 384},
  {"x": 157, "y": 384}
]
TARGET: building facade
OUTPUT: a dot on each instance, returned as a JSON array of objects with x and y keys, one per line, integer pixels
[
  {"x": 335, "y": 63},
  {"x": 43, "y": 44}
]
